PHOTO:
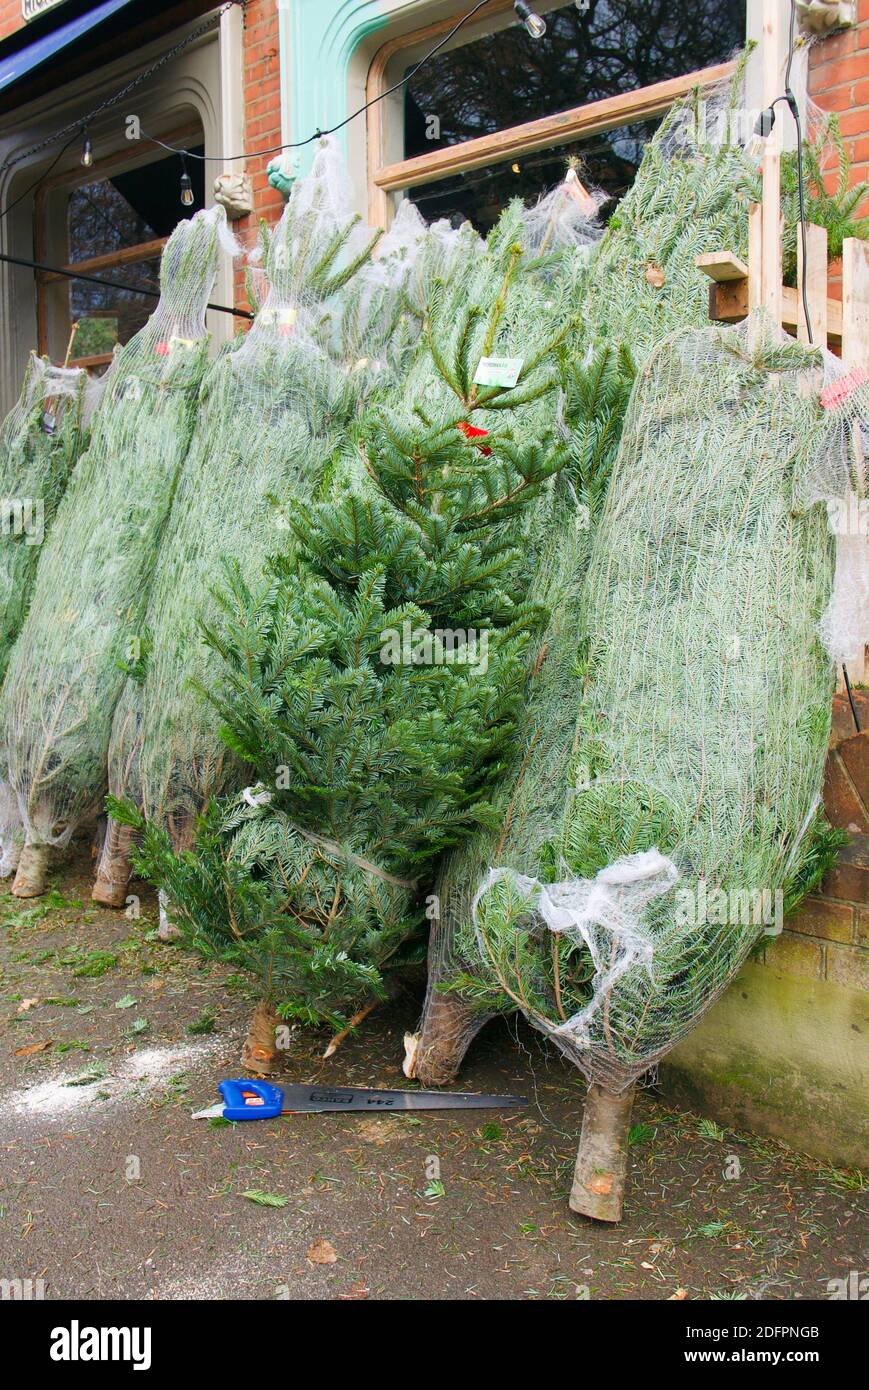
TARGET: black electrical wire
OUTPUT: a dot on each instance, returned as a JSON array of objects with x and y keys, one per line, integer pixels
[
  {"x": 111, "y": 284},
  {"x": 80, "y": 125},
  {"x": 332, "y": 130},
  {"x": 801, "y": 183},
  {"x": 851, "y": 697}
]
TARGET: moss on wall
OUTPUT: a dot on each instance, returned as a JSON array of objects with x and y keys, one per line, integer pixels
[{"x": 783, "y": 1055}]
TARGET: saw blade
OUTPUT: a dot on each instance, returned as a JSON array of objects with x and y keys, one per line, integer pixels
[{"x": 312, "y": 1099}]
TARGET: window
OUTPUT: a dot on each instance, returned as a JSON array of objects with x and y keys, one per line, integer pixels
[
  {"x": 595, "y": 87},
  {"x": 111, "y": 221}
]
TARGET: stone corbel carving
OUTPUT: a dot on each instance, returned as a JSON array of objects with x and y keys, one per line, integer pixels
[
  {"x": 822, "y": 16},
  {"x": 234, "y": 192}
]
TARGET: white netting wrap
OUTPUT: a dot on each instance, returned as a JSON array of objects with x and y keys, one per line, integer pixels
[
  {"x": 40, "y": 441},
  {"x": 639, "y": 282},
  {"x": 659, "y": 827},
  {"x": 274, "y": 415},
  {"x": 66, "y": 670},
  {"x": 565, "y": 218}
]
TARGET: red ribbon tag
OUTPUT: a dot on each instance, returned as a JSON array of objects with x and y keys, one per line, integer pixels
[
  {"x": 472, "y": 432},
  {"x": 837, "y": 391}
]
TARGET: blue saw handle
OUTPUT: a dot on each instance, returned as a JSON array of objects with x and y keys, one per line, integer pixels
[{"x": 250, "y": 1100}]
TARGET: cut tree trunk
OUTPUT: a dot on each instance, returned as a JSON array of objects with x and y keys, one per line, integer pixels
[
  {"x": 447, "y": 1030},
  {"x": 602, "y": 1161},
  {"x": 260, "y": 1055},
  {"x": 32, "y": 872},
  {"x": 113, "y": 876}
]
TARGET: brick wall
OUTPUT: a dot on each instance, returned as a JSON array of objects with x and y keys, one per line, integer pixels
[
  {"x": 10, "y": 17},
  {"x": 262, "y": 113},
  {"x": 828, "y": 937},
  {"x": 839, "y": 81}
]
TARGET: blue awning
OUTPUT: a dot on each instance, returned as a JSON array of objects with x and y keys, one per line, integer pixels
[{"x": 27, "y": 59}]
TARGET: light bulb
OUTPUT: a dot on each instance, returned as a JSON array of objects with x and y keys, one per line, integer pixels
[
  {"x": 187, "y": 197},
  {"x": 87, "y": 154},
  {"x": 533, "y": 23}
]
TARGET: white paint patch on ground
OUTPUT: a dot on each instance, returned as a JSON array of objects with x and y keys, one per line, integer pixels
[{"x": 132, "y": 1077}]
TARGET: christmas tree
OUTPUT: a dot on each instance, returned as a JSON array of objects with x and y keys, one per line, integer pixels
[
  {"x": 273, "y": 417},
  {"x": 66, "y": 669},
  {"x": 374, "y": 680},
  {"x": 40, "y": 441}
]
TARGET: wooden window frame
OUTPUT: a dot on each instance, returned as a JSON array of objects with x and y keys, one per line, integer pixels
[
  {"x": 119, "y": 162},
  {"x": 577, "y": 123}
]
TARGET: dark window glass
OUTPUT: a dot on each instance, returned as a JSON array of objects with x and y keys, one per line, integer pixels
[
  {"x": 506, "y": 78},
  {"x": 608, "y": 161}
]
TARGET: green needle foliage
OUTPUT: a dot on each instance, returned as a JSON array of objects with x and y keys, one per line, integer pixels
[
  {"x": 40, "y": 440},
  {"x": 640, "y": 283},
  {"x": 66, "y": 670},
  {"x": 702, "y": 730},
  {"x": 273, "y": 417},
  {"x": 374, "y": 681}
]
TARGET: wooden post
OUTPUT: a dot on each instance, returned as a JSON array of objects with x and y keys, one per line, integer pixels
[
  {"x": 755, "y": 254},
  {"x": 816, "y": 284}
]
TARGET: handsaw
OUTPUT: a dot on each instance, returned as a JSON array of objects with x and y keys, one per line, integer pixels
[{"x": 261, "y": 1100}]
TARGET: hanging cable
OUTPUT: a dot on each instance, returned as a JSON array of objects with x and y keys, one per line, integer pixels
[
  {"x": 110, "y": 284},
  {"x": 78, "y": 128},
  {"x": 332, "y": 130}
]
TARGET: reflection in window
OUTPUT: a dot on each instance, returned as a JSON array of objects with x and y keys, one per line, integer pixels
[
  {"x": 607, "y": 161},
  {"x": 505, "y": 78}
]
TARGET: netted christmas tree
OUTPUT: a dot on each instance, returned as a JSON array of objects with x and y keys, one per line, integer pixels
[
  {"x": 615, "y": 911},
  {"x": 639, "y": 280},
  {"x": 40, "y": 441},
  {"x": 272, "y": 420},
  {"x": 374, "y": 682},
  {"x": 67, "y": 667}
]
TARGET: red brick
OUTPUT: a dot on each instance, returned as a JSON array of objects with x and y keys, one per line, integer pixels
[
  {"x": 842, "y": 806},
  {"x": 829, "y": 921},
  {"x": 849, "y": 880},
  {"x": 848, "y": 69},
  {"x": 854, "y": 753},
  {"x": 831, "y": 49}
]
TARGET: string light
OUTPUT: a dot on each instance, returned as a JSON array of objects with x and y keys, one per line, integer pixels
[
  {"x": 187, "y": 197},
  {"x": 533, "y": 23},
  {"x": 87, "y": 153}
]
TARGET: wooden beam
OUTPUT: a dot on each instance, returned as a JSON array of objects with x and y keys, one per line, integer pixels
[
  {"x": 755, "y": 239},
  {"x": 855, "y": 353},
  {"x": 770, "y": 248},
  {"x": 855, "y": 303},
  {"x": 128, "y": 255},
  {"x": 575, "y": 124},
  {"x": 722, "y": 266},
  {"x": 729, "y": 303}
]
